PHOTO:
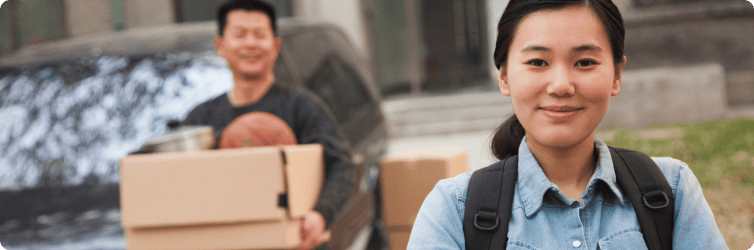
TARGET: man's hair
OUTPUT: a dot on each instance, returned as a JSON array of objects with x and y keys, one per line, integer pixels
[{"x": 246, "y": 5}]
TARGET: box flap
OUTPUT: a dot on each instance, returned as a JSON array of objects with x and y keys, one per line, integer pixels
[
  {"x": 260, "y": 235},
  {"x": 305, "y": 175},
  {"x": 202, "y": 187}
]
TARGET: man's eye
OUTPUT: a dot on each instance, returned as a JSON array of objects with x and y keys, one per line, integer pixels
[
  {"x": 537, "y": 63},
  {"x": 585, "y": 63}
]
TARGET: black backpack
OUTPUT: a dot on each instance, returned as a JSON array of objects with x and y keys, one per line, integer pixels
[{"x": 490, "y": 199}]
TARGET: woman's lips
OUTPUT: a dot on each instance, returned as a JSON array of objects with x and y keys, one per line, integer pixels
[{"x": 560, "y": 113}]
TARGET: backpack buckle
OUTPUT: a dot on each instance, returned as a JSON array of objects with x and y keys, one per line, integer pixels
[
  {"x": 487, "y": 218},
  {"x": 655, "y": 197}
]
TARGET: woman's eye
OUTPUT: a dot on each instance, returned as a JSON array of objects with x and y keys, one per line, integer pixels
[
  {"x": 537, "y": 63},
  {"x": 585, "y": 63}
]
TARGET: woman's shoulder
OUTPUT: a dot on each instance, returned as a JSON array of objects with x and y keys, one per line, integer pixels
[
  {"x": 456, "y": 186},
  {"x": 439, "y": 223},
  {"x": 674, "y": 170}
]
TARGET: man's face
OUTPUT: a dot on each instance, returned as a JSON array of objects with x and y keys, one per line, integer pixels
[{"x": 248, "y": 43}]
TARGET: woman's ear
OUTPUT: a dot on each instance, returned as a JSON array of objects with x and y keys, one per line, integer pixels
[
  {"x": 618, "y": 77},
  {"x": 503, "y": 83}
]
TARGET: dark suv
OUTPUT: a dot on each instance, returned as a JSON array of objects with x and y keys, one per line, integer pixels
[{"x": 77, "y": 106}]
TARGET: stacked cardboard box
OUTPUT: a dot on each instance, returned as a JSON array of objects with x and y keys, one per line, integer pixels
[
  {"x": 407, "y": 178},
  {"x": 248, "y": 198}
]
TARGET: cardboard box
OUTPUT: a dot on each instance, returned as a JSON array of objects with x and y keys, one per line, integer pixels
[
  {"x": 226, "y": 236},
  {"x": 398, "y": 238},
  {"x": 219, "y": 199},
  {"x": 409, "y": 176},
  {"x": 248, "y": 235}
]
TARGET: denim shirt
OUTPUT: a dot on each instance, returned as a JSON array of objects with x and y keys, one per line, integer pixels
[{"x": 544, "y": 218}]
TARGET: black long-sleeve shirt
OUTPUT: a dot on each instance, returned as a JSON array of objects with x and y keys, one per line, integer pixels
[{"x": 311, "y": 124}]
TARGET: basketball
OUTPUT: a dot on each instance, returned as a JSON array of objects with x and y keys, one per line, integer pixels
[{"x": 257, "y": 129}]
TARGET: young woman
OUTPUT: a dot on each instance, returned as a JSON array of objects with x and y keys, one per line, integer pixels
[{"x": 560, "y": 61}]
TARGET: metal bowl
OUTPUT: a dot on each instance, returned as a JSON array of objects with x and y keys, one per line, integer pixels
[{"x": 182, "y": 139}]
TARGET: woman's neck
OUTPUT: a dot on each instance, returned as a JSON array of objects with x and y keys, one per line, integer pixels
[
  {"x": 569, "y": 168},
  {"x": 248, "y": 90}
]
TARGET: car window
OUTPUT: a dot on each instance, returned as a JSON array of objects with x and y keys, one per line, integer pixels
[
  {"x": 340, "y": 87},
  {"x": 282, "y": 74},
  {"x": 307, "y": 50}
]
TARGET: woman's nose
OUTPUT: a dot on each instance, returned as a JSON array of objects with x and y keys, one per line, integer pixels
[{"x": 561, "y": 82}]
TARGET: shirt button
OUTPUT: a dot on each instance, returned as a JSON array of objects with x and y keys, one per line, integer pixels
[{"x": 576, "y": 243}]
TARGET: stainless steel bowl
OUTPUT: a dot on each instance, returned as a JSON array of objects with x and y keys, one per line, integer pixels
[{"x": 181, "y": 139}]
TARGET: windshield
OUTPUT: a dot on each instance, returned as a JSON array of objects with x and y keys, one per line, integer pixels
[{"x": 73, "y": 119}]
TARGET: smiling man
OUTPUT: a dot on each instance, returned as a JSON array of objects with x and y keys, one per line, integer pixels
[{"x": 247, "y": 40}]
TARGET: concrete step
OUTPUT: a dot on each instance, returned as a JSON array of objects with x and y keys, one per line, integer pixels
[
  {"x": 409, "y": 104},
  {"x": 447, "y": 114},
  {"x": 446, "y": 128},
  {"x": 458, "y": 113}
]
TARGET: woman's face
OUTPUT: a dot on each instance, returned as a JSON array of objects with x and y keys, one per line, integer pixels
[{"x": 560, "y": 76}]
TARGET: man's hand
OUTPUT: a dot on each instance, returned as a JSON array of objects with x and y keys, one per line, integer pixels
[{"x": 312, "y": 226}]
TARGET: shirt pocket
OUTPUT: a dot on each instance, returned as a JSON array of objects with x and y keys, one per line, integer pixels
[{"x": 627, "y": 239}]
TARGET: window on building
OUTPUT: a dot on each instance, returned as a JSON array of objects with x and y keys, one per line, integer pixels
[
  {"x": 30, "y": 22},
  {"x": 6, "y": 42},
  {"x": 340, "y": 87},
  {"x": 282, "y": 75}
]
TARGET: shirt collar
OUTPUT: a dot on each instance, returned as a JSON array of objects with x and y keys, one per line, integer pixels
[{"x": 533, "y": 184}]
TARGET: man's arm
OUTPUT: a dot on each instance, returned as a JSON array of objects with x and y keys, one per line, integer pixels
[
  {"x": 195, "y": 117},
  {"x": 315, "y": 125}
]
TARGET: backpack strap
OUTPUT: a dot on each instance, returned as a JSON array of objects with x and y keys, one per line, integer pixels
[
  {"x": 489, "y": 202},
  {"x": 649, "y": 193}
]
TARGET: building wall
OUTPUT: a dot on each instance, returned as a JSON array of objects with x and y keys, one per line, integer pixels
[
  {"x": 88, "y": 16},
  {"x": 668, "y": 95},
  {"x": 697, "y": 33},
  {"x": 140, "y": 13}
]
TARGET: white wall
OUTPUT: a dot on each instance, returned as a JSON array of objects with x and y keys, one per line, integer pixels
[
  {"x": 495, "y": 10},
  {"x": 88, "y": 16},
  {"x": 144, "y": 13},
  {"x": 346, "y": 14}
]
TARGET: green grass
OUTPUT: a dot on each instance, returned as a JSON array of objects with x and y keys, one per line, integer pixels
[{"x": 716, "y": 151}]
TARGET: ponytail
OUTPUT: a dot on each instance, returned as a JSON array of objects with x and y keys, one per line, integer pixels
[{"x": 507, "y": 138}]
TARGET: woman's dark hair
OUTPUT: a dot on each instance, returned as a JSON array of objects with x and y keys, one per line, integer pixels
[
  {"x": 247, "y": 5},
  {"x": 508, "y": 135}
]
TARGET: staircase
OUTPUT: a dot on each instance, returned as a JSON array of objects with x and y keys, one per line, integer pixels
[{"x": 446, "y": 114}]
